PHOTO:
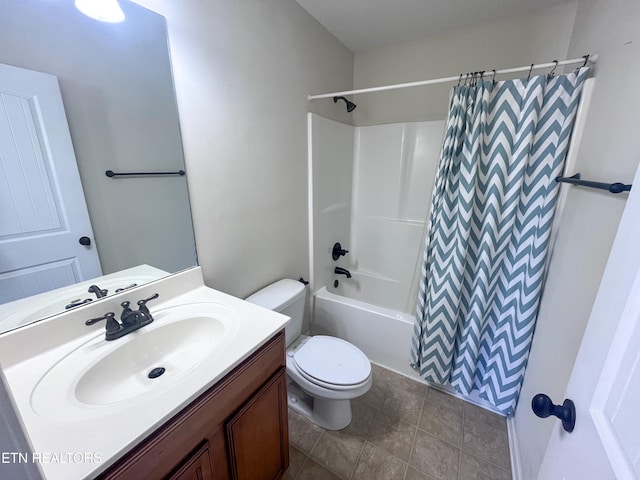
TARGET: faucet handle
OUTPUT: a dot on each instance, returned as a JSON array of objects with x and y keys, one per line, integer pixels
[
  {"x": 122, "y": 289},
  {"x": 112, "y": 323},
  {"x": 77, "y": 303},
  {"x": 142, "y": 304},
  {"x": 106, "y": 316},
  {"x": 145, "y": 300},
  {"x": 338, "y": 251}
]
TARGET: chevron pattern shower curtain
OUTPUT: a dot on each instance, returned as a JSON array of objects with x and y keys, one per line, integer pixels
[{"x": 488, "y": 232}]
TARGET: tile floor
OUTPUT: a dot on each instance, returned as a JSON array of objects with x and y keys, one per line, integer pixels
[{"x": 402, "y": 430}]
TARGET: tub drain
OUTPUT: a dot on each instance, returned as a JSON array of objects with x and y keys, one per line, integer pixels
[{"x": 156, "y": 372}]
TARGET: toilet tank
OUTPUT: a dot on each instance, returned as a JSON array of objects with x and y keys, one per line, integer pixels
[{"x": 286, "y": 297}]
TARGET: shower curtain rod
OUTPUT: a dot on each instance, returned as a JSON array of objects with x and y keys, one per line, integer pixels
[{"x": 585, "y": 59}]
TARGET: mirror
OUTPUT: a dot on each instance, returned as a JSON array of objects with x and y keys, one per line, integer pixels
[{"x": 117, "y": 90}]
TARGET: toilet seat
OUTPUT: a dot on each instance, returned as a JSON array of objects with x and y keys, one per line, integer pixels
[{"x": 332, "y": 363}]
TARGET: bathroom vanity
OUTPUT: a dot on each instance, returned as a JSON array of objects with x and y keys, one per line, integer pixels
[
  {"x": 237, "y": 429},
  {"x": 199, "y": 393}
]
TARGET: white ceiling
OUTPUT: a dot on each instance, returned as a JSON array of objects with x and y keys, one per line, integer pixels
[{"x": 366, "y": 24}]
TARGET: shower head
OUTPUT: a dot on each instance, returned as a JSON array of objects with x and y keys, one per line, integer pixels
[{"x": 350, "y": 105}]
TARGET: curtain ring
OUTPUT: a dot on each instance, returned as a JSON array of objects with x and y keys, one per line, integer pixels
[
  {"x": 493, "y": 78},
  {"x": 586, "y": 59},
  {"x": 459, "y": 78},
  {"x": 466, "y": 78},
  {"x": 553, "y": 70},
  {"x": 530, "y": 70}
]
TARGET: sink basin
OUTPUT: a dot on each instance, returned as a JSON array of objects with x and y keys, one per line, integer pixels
[{"x": 104, "y": 374}]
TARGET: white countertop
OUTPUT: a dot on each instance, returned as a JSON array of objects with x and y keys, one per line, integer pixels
[{"x": 87, "y": 439}]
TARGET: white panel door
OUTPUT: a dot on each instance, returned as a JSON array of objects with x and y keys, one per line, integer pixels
[
  {"x": 43, "y": 213},
  {"x": 605, "y": 381}
]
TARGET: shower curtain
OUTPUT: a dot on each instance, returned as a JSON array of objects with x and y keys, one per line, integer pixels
[{"x": 488, "y": 232}]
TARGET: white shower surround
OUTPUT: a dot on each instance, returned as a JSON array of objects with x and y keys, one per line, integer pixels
[
  {"x": 393, "y": 174},
  {"x": 370, "y": 189}
]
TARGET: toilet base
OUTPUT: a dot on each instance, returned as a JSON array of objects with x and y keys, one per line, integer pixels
[{"x": 328, "y": 414}]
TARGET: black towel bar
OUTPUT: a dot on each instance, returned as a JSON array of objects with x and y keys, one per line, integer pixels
[
  {"x": 111, "y": 173},
  {"x": 611, "y": 187}
]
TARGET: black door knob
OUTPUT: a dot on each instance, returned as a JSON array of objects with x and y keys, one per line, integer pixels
[
  {"x": 86, "y": 241},
  {"x": 542, "y": 406}
]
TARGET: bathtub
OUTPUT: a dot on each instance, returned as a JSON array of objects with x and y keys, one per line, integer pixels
[{"x": 383, "y": 334}]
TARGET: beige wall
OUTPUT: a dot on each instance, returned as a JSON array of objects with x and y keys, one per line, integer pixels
[
  {"x": 608, "y": 152},
  {"x": 243, "y": 70},
  {"x": 539, "y": 37}
]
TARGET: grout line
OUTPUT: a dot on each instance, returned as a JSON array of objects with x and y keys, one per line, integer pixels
[
  {"x": 474, "y": 454},
  {"x": 461, "y": 442},
  {"x": 316, "y": 442},
  {"x": 297, "y": 475},
  {"x": 406, "y": 471},
  {"x": 415, "y": 434},
  {"x": 355, "y": 465}
]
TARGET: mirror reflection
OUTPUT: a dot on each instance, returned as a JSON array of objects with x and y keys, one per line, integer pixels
[{"x": 80, "y": 97}]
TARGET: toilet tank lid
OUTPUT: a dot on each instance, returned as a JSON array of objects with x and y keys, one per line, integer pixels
[{"x": 278, "y": 295}]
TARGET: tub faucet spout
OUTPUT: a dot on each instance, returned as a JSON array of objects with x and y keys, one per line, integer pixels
[{"x": 342, "y": 271}]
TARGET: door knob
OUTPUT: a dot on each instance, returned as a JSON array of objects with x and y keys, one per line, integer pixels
[
  {"x": 86, "y": 241},
  {"x": 543, "y": 407}
]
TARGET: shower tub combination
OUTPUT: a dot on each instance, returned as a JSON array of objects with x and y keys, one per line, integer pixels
[
  {"x": 383, "y": 334},
  {"x": 370, "y": 189}
]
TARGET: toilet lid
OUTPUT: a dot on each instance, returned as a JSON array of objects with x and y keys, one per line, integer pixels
[{"x": 332, "y": 360}]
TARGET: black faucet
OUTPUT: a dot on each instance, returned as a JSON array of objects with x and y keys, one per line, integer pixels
[
  {"x": 342, "y": 271},
  {"x": 130, "y": 320},
  {"x": 118, "y": 290},
  {"x": 77, "y": 303},
  {"x": 100, "y": 293}
]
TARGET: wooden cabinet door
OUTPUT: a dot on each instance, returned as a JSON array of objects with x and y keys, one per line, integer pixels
[
  {"x": 196, "y": 467},
  {"x": 258, "y": 434}
]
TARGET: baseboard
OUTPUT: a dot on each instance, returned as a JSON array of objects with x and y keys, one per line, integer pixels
[{"x": 514, "y": 450}]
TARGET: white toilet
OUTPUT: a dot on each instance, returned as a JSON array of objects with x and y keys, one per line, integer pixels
[{"x": 324, "y": 373}]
